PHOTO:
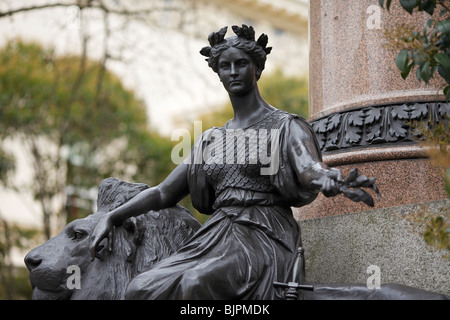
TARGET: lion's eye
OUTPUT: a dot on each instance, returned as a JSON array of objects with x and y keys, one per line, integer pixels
[{"x": 79, "y": 234}]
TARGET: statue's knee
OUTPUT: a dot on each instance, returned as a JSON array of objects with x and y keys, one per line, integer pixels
[{"x": 191, "y": 285}]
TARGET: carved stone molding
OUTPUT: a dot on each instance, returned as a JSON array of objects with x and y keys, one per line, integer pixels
[{"x": 377, "y": 125}]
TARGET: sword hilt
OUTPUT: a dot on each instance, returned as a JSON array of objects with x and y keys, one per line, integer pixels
[{"x": 298, "y": 278}]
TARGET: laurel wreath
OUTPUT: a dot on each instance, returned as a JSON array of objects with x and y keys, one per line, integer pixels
[{"x": 244, "y": 32}]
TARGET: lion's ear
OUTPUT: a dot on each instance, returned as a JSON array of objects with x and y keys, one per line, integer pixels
[
  {"x": 133, "y": 227},
  {"x": 113, "y": 192},
  {"x": 137, "y": 232}
]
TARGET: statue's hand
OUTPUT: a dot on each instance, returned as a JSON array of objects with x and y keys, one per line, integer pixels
[
  {"x": 330, "y": 183},
  {"x": 351, "y": 188},
  {"x": 103, "y": 229}
]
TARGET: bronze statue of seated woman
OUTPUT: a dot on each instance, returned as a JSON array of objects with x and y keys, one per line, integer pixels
[{"x": 247, "y": 175}]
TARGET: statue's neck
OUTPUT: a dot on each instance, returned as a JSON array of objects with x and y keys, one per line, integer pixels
[{"x": 248, "y": 108}]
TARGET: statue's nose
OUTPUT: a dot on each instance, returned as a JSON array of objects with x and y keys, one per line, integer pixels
[{"x": 32, "y": 261}]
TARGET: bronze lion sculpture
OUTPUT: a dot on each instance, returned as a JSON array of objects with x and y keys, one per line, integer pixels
[{"x": 138, "y": 243}]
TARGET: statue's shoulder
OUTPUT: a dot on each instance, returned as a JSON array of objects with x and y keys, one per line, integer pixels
[{"x": 290, "y": 119}]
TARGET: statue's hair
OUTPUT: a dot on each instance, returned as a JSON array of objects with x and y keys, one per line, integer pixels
[{"x": 244, "y": 40}]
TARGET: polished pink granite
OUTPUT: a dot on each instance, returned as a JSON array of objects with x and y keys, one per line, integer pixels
[
  {"x": 401, "y": 182},
  {"x": 350, "y": 66}
]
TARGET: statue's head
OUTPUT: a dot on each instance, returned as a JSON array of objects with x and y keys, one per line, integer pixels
[{"x": 244, "y": 40}]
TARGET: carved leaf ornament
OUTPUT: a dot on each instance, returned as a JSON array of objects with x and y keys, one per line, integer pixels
[{"x": 376, "y": 125}]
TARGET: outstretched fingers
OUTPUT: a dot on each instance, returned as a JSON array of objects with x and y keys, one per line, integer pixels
[
  {"x": 111, "y": 239},
  {"x": 103, "y": 229},
  {"x": 94, "y": 246}
]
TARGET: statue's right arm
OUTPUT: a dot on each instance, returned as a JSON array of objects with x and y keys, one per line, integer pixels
[{"x": 167, "y": 194}]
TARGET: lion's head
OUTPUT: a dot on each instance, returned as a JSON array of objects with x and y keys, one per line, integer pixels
[{"x": 138, "y": 244}]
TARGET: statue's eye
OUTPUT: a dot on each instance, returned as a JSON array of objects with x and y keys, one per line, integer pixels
[
  {"x": 224, "y": 66},
  {"x": 243, "y": 63},
  {"x": 78, "y": 234}
]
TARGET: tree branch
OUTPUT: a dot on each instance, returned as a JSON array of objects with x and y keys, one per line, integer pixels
[
  {"x": 442, "y": 4},
  {"x": 89, "y": 4},
  {"x": 24, "y": 9}
]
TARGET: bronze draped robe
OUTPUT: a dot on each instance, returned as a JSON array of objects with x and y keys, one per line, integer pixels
[{"x": 251, "y": 238}]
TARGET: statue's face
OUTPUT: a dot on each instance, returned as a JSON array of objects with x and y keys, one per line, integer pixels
[{"x": 237, "y": 71}]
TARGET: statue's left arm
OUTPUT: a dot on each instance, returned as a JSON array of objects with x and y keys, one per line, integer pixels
[
  {"x": 305, "y": 156},
  {"x": 314, "y": 175}
]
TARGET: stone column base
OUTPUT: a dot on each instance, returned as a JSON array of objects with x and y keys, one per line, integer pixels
[{"x": 340, "y": 248}]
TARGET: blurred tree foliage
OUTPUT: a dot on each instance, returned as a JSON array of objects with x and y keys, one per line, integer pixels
[
  {"x": 436, "y": 231},
  {"x": 78, "y": 123},
  {"x": 427, "y": 49},
  {"x": 14, "y": 282},
  {"x": 7, "y": 165}
]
